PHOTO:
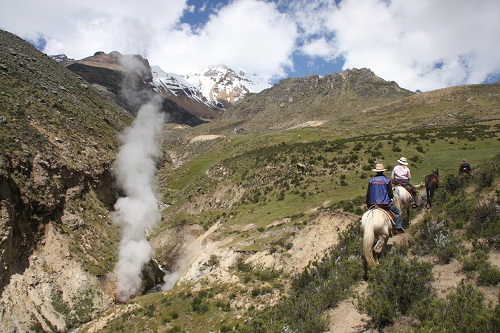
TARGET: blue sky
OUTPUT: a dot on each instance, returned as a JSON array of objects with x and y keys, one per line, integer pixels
[{"x": 420, "y": 44}]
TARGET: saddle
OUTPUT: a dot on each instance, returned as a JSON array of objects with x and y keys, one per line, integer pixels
[
  {"x": 387, "y": 211},
  {"x": 406, "y": 186}
]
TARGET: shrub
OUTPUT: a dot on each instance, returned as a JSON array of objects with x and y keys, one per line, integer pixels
[
  {"x": 485, "y": 222},
  {"x": 464, "y": 310},
  {"x": 488, "y": 275},
  {"x": 487, "y": 173},
  {"x": 395, "y": 285},
  {"x": 474, "y": 261},
  {"x": 242, "y": 266},
  {"x": 435, "y": 237},
  {"x": 446, "y": 247}
]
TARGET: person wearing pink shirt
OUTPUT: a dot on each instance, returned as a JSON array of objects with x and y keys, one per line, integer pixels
[{"x": 401, "y": 174}]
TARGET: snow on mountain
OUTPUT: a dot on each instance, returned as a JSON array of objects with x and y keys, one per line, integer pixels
[{"x": 215, "y": 86}]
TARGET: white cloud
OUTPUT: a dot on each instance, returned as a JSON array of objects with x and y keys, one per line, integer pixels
[
  {"x": 318, "y": 48},
  {"x": 404, "y": 40},
  {"x": 421, "y": 44},
  {"x": 80, "y": 28},
  {"x": 249, "y": 35}
]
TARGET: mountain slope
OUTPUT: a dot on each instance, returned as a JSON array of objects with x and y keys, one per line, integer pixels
[
  {"x": 297, "y": 100},
  {"x": 108, "y": 74},
  {"x": 59, "y": 137}
]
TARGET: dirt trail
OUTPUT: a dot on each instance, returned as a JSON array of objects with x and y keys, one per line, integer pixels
[{"x": 345, "y": 318}]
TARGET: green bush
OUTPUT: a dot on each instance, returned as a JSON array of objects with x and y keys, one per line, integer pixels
[
  {"x": 464, "y": 310},
  {"x": 394, "y": 286},
  {"x": 446, "y": 246},
  {"x": 435, "y": 237},
  {"x": 488, "y": 275},
  {"x": 485, "y": 222},
  {"x": 485, "y": 175},
  {"x": 474, "y": 262}
]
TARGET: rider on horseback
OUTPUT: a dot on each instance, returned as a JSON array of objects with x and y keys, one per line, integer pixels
[
  {"x": 380, "y": 194},
  {"x": 401, "y": 175}
]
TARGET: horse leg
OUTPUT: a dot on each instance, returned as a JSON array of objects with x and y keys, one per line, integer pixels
[
  {"x": 408, "y": 215},
  {"x": 379, "y": 246}
]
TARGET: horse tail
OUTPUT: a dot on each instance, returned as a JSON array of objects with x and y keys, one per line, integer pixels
[{"x": 368, "y": 240}]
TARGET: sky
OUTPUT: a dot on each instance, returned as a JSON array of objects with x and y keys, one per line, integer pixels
[{"x": 420, "y": 44}]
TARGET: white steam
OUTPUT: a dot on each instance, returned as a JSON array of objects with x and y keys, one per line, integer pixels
[{"x": 138, "y": 210}]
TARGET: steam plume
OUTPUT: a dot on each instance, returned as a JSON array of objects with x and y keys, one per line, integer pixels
[{"x": 138, "y": 210}]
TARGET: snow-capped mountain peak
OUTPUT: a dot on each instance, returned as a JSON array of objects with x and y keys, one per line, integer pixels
[{"x": 216, "y": 86}]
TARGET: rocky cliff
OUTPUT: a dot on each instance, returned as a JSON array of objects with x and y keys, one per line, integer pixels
[
  {"x": 108, "y": 73},
  {"x": 59, "y": 137}
]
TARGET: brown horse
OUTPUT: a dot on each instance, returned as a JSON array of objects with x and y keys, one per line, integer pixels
[{"x": 431, "y": 185}]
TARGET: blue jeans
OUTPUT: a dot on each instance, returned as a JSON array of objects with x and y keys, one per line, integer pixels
[{"x": 397, "y": 219}]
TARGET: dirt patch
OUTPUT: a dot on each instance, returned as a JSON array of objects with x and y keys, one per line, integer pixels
[
  {"x": 311, "y": 123},
  {"x": 201, "y": 138},
  {"x": 312, "y": 242},
  {"x": 345, "y": 318}
]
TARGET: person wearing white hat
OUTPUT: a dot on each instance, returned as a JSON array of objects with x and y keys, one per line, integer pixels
[
  {"x": 401, "y": 175},
  {"x": 379, "y": 193},
  {"x": 464, "y": 168}
]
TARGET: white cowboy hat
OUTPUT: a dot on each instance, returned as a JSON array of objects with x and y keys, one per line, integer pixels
[
  {"x": 403, "y": 161},
  {"x": 379, "y": 167}
]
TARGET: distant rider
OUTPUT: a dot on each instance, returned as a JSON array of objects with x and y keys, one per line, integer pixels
[
  {"x": 464, "y": 168},
  {"x": 380, "y": 194}
]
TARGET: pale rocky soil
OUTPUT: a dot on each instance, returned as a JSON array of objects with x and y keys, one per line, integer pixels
[
  {"x": 201, "y": 138},
  {"x": 29, "y": 296},
  {"x": 311, "y": 123}
]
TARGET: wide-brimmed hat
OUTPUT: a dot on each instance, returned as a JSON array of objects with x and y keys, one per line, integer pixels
[
  {"x": 403, "y": 161},
  {"x": 379, "y": 167}
]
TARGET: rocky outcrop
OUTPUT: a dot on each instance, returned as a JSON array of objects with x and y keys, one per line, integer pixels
[
  {"x": 59, "y": 137},
  {"x": 130, "y": 89},
  {"x": 43, "y": 282}
]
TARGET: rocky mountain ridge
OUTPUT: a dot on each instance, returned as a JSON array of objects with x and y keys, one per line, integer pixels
[
  {"x": 107, "y": 73},
  {"x": 297, "y": 100},
  {"x": 203, "y": 95}
]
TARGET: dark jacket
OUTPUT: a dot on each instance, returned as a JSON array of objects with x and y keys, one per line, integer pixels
[
  {"x": 379, "y": 191},
  {"x": 464, "y": 168}
]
